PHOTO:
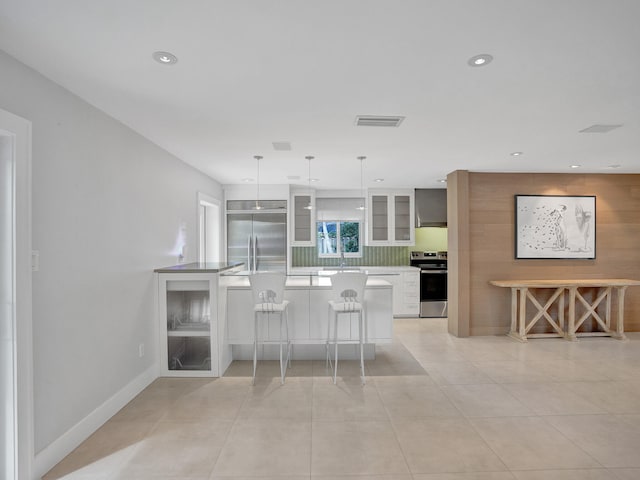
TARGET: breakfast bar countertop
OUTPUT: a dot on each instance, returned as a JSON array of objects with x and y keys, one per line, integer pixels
[
  {"x": 299, "y": 282},
  {"x": 199, "y": 267}
]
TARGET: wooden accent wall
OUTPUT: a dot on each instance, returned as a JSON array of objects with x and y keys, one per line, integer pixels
[
  {"x": 481, "y": 246},
  {"x": 458, "y": 252}
]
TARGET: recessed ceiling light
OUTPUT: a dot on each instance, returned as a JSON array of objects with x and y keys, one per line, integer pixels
[
  {"x": 516, "y": 154},
  {"x": 575, "y": 166},
  {"x": 615, "y": 165},
  {"x": 165, "y": 58},
  {"x": 443, "y": 180},
  {"x": 313, "y": 180},
  {"x": 247, "y": 180},
  {"x": 379, "y": 180},
  {"x": 480, "y": 60}
]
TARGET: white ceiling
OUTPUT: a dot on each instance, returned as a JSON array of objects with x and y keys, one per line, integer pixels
[{"x": 251, "y": 72}]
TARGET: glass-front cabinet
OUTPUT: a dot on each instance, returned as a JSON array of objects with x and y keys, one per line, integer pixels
[
  {"x": 403, "y": 219},
  {"x": 391, "y": 217},
  {"x": 303, "y": 219},
  {"x": 379, "y": 218},
  {"x": 188, "y": 326}
]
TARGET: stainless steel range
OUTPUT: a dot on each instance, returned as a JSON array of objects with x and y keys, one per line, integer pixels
[{"x": 433, "y": 282}]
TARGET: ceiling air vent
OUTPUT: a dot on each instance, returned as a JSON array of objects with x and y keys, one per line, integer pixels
[
  {"x": 599, "y": 128},
  {"x": 281, "y": 146},
  {"x": 378, "y": 121}
]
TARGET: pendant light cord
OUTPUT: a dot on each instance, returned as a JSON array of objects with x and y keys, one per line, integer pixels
[
  {"x": 309, "y": 158},
  {"x": 362, "y": 159},
  {"x": 258, "y": 158}
]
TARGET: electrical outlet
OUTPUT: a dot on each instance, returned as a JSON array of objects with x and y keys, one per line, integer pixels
[
  {"x": 35, "y": 260},
  {"x": 141, "y": 350}
]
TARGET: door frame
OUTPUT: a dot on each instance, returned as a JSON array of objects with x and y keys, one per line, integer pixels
[
  {"x": 204, "y": 200},
  {"x": 19, "y": 131}
]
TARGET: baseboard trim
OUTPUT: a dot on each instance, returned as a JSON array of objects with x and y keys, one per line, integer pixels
[{"x": 52, "y": 454}]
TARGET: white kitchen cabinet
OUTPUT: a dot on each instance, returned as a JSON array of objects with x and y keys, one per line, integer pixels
[
  {"x": 308, "y": 313},
  {"x": 409, "y": 303},
  {"x": 390, "y": 217},
  {"x": 303, "y": 218},
  {"x": 240, "y": 326},
  {"x": 187, "y": 308},
  {"x": 406, "y": 289}
]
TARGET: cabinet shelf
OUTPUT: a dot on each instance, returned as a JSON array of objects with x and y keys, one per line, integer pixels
[{"x": 189, "y": 333}]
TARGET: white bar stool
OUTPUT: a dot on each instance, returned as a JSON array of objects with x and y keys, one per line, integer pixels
[
  {"x": 268, "y": 297},
  {"x": 347, "y": 298}
]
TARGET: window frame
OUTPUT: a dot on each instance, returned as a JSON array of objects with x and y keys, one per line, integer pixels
[{"x": 339, "y": 253}]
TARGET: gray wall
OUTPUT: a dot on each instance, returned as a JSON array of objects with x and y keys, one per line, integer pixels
[{"x": 108, "y": 206}]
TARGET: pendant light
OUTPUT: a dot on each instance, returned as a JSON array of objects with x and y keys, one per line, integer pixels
[
  {"x": 362, "y": 159},
  {"x": 258, "y": 158},
  {"x": 309, "y": 206}
]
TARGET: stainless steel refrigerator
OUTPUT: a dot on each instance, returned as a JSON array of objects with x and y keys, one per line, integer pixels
[{"x": 257, "y": 237}]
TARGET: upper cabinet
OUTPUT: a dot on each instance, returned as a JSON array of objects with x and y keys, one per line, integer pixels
[
  {"x": 303, "y": 218},
  {"x": 390, "y": 217}
]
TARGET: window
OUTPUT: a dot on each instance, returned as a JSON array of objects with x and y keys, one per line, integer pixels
[{"x": 348, "y": 233}]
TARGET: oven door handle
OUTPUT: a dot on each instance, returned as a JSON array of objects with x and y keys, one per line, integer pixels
[{"x": 431, "y": 272}]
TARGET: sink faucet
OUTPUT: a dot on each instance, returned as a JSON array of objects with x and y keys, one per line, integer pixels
[{"x": 342, "y": 260}]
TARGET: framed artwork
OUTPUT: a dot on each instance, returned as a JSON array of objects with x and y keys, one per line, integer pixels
[{"x": 555, "y": 226}]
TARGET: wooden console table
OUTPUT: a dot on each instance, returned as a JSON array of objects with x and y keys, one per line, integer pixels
[{"x": 523, "y": 290}]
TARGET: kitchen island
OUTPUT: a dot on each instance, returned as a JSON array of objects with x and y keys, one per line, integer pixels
[
  {"x": 205, "y": 317},
  {"x": 308, "y": 295}
]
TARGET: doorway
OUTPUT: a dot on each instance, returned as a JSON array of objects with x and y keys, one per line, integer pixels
[
  {"x": 7, "y": 315},
  {"x": 16, "y": 378},
  {"x": 209, "y": 235}
]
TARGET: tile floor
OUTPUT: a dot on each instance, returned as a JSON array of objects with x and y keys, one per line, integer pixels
[{"x": 435, "y": 407}]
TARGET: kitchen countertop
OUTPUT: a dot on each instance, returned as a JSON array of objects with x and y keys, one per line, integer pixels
[
  {"x": 197, "y": 267},
  {"x": 219, "y": 267},
  {"x": 300, "y": 281},
  {"x": 370, "y": 269}
]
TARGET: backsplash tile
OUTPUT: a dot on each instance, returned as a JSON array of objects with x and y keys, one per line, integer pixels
[{"x": 382, "y": 256}]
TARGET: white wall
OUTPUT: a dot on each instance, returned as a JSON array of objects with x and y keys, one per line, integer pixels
[{"x": 108, "y": 207}]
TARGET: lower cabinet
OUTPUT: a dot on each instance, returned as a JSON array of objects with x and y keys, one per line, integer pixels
[
  {"x": 409, "y": 304},
  {"x": 406, "y": 291},
  {"x": 308, "y": 317},
  {"x": 187, "y": 308},
  {"x": 240, "y": 317}
]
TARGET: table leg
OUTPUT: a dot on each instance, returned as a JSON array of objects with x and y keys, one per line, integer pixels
[
  {"x": 522, "y": 317},
  {"x": 514, "y": 309},
  {"x": 608, "y": 312},
  {"x": 561, "y": 311},
  {"x": 620, "y": 323},
  {"x": 571, "y": 329},
  {"x": 518, "y": 311}
]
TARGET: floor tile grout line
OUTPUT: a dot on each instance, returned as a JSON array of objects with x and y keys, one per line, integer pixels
[
  {"x": 545, "y": 420},
  {"x": 395, "y": 434},
  {"x": 228, "y": 435}
]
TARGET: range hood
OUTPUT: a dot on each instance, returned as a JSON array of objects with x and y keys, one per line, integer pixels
[{"x": 431, "y": 207}]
